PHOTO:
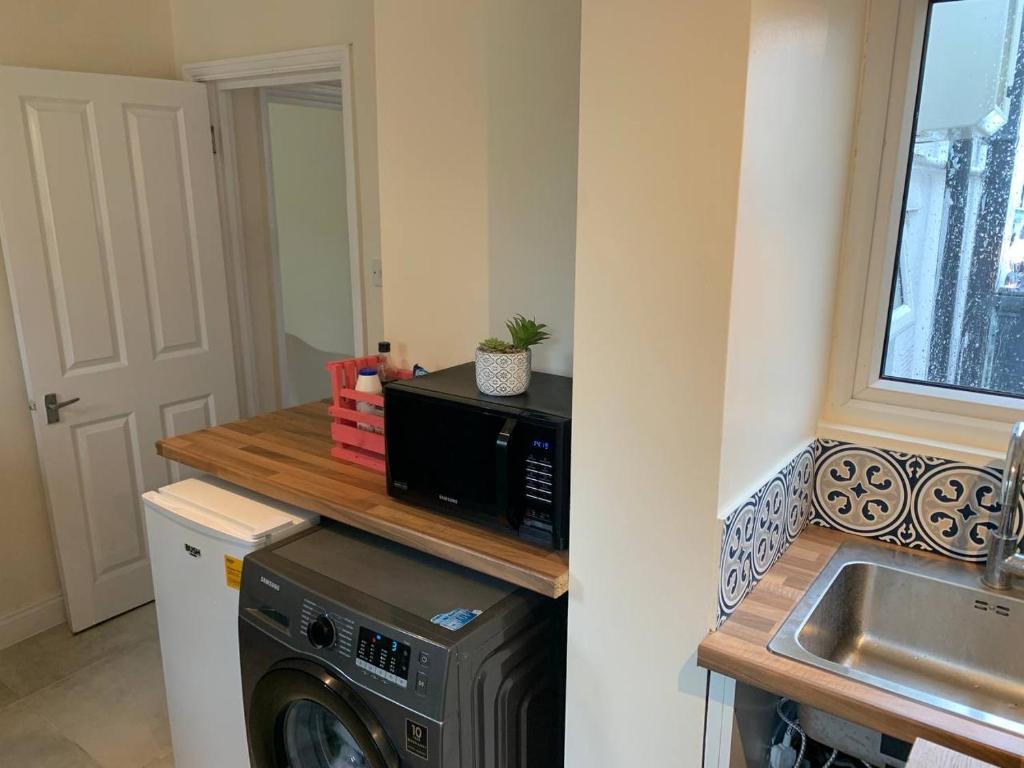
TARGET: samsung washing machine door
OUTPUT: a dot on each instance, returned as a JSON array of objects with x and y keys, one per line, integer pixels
[{"x": 303, "y": 717}]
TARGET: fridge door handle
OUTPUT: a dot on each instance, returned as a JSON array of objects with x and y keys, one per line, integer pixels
[{"x": 502, "y": 472}]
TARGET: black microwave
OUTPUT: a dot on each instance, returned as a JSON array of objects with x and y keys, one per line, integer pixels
[{"x": 503, "y": 461}]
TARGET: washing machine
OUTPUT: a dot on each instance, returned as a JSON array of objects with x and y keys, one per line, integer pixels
[{"x": 356, "y": 651}]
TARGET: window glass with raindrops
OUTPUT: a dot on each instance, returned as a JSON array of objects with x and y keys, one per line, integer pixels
[{"x": 956, "y": 307}]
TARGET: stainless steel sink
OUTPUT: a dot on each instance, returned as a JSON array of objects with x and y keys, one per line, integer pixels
[{"x": 915, "y": 626}]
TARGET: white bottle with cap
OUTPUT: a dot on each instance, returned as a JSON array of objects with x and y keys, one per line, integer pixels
[{"x": 369, "y": 383}]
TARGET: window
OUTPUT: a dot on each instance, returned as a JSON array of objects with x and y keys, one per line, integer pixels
[
  {"x": 928, "y": 350},
  {"x": 956, "y": 295}
]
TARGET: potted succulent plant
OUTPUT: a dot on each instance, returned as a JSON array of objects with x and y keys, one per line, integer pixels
[{"x": 503, "y": 367}]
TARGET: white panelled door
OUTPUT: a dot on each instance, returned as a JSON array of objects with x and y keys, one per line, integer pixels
[{"x": 110, "y": 234}]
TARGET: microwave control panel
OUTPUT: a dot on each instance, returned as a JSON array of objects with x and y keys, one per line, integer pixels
[{"x": 539, "y": 482}]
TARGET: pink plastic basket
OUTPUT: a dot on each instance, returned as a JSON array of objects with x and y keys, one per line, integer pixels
[{"x": 352, "y": 443}]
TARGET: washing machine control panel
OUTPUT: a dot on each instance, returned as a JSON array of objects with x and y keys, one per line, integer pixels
[
  {"x": 383, "y": 656},
  {"x": 401, "y": 666}
]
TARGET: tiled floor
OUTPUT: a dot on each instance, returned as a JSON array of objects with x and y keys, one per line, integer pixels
[{"x": 92, "y": 700}]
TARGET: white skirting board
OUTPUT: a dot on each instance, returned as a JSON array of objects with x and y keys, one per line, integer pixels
[{"x": 31, "y": 620}]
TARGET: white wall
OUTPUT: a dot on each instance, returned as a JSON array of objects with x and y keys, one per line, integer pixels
[
  {"x": 307, "y": 159},
  {"x": 661, "y": 119},
  {"x": 802, "y": 81},
  {"x": 477, "y": 172},
  {"x": 307, "y": 151}
]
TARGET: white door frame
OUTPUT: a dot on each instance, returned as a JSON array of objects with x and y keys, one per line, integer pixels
[{"x": 310, "y": 65}]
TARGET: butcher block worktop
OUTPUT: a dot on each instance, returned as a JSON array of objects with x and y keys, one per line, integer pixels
[
  {"x": 287, "y": 455},
  {"x": 739, "y": 649}
]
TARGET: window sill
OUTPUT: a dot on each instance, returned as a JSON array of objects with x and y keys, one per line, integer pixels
[{"x": 977, "y": 441}]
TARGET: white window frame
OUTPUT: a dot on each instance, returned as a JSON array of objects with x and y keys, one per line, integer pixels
[{"x": 861, "y": 406}]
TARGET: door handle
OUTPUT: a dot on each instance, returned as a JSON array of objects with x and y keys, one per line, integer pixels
[
  {"x": 53, "y": 407},
  {"x": 501, "y": 475}
]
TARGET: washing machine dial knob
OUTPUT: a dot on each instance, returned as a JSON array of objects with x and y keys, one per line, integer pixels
[{"x": 321, "y": 632}]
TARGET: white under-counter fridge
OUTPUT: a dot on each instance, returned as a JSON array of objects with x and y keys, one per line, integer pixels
[{"x": 199, "y": 531}]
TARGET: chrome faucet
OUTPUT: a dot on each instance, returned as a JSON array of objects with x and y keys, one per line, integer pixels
[{"x": 1004, "y": 562}]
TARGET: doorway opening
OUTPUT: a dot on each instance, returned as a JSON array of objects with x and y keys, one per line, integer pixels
[
  {"x": 286, "y": 163},
  {"x": 314, "y": 289}
]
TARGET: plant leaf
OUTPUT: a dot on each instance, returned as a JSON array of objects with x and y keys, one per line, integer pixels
[{"x": 526, "y": 333}]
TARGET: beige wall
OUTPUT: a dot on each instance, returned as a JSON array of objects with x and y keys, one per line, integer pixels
[
  {"x": 661, "y": 120},
  {"x": 129, "y": 37},
  {"x": 432, "y": 116},
  {"x": 26, "y": 548},
  {"x": 124, "y": 37},
  {"x": 533, "y": 85},
  {"x": 801, "y": 93},
  {"x": 204, "y": 31},
  {"x": 477, "y": 119}
]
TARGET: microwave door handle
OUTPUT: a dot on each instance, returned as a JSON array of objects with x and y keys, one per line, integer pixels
[{"x": 501, "y": 471}]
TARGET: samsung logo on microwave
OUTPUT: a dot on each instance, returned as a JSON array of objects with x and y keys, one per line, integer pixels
[
  {"x": 449, "y": 499},
  {"x": 273, "y": 585}
]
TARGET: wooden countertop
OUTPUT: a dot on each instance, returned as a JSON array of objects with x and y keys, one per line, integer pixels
[
  {"x": 739, "y": 649},
  {"x": 286, "y": 455}
]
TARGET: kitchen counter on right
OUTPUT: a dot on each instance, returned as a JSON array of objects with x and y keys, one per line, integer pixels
[{"x": 739, "y": 649}]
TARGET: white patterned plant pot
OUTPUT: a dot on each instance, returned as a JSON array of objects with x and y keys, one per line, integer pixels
[{"x": 501, "y": 374}]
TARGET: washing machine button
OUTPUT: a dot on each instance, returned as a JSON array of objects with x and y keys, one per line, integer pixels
[
  {"x": 424, "y": 659},
  {"x": 421, "y": 684}
]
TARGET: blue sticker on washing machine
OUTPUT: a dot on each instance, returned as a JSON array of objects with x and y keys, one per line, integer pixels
[{"x": 456, "y": 619}]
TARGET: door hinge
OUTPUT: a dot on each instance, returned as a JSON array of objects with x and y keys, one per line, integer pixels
[{"x": 213, "y": 139}]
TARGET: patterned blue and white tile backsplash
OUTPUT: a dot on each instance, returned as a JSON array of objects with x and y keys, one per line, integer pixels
[
  {"x": 757, "y": 532},
  {"x": 916, "y": 501}
]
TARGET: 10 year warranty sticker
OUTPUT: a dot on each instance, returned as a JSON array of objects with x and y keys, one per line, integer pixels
[{"x": 416, "y": 739}]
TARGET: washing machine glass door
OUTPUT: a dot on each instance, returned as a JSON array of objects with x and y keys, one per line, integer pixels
[
  {"x": 314, "y": 737},
  {"x": 307, "y": 718}
]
